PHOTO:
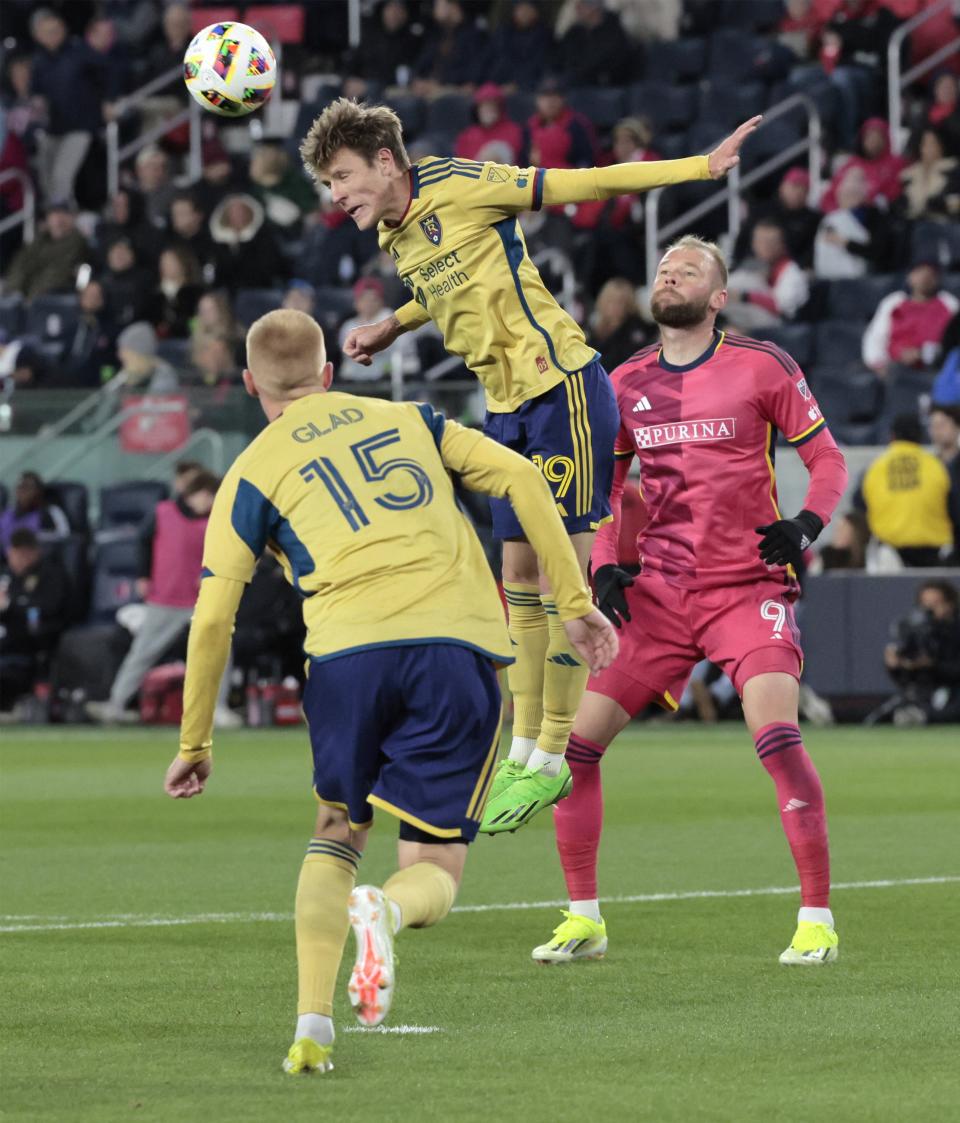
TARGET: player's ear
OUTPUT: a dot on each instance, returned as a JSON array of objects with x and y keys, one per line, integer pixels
[
  {"x": 718, "y": 300},
  {"x": 249, "y": 385},
  {"x": 326, "y": 375}
]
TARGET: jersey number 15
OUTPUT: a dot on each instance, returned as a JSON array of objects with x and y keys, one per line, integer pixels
[{"x": 374, "y": 469}]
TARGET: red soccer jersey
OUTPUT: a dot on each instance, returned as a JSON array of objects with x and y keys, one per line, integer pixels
[{"x": 704, "y": 434}]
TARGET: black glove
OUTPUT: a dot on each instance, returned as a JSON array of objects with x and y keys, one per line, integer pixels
[
  {"x": 783, "y": 542},
  {"x": 609, "y": 581}
]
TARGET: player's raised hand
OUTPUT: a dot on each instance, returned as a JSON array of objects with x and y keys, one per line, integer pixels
[
  {"x": 185, "y": 778},
  {"x": 363, "y": 343},
  {"x": 594, "y": 638},
  {"x": 727, "y": 154}
]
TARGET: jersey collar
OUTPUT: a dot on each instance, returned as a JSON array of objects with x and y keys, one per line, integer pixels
[
  {"x": 708, "y": 354},
  {"x": 414, "y": 174}
]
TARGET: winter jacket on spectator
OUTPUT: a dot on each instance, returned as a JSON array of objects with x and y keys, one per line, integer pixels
[
  {"x": 246, "y": 252},
  {"x": 47, "y": 264},
  {"x": 932, "y": 190},
  {"x": 564, "y": 142},
  {"x": 389, "y": 46},
  {"x": 73, "y": 82},
  {"x": 595, "y": 51},
  {"x": 881, "y": 166},
  {"x": 789, "y": 211},
  {"x": 334, "y": 250},
  {"x": 455, "y": 55},
  {"x": 521, "y": 48},
  {"x": 904, "y": 327},
  {"x": 494, "y": 136}
]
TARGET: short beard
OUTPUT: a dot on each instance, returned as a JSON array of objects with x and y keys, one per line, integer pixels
[{"x": 676, "y": 315}]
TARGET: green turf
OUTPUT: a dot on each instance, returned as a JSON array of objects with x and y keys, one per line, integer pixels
[{"x": 688, "y": 1018}]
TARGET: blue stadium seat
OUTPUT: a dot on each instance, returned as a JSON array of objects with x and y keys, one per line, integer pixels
[
  {"x": 902, "y": 394},
  {"x": 73, "y": 554},
  {"x": 53, "y": 317},
  {"x": 839, "y": 343},
  {"x": 333, "y": 306},
  {"x": 521, "y": 106},
  {"x": 772, "y": 139},
  {"x": 795, "y": 339},
  {"x": 732, "y": 54},
  {"x": 11, "y": 315},
  {"x": 937, "y": 240},
  {"x": 669, "y": 107},
  {"x": 951, "y": 282},
  {"x": 449, "y": 113},
  {"x": 672, "y": 146},
  {"x": 855, "y": 299},
  {"x": 604, "y": 107},
  {"x": 756, "y": 15},
  {"x": 850, "y": 400},
  {"x": 128, "y": 504},
  {"x": 251, "y": 304},
  {"x": 726, "y": 104},
  {"x": 115, "y": 567},
  {"x": 676, "y": 61},
  {"x": 73, "y": 499},
  {"x": 412, "y": 111}
]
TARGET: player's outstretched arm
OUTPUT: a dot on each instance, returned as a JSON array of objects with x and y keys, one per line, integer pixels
[
  {"x": 727, "y": 154},
  {"x": 363, "y": 343}
]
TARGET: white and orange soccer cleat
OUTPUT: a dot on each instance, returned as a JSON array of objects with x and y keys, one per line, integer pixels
[{"x": 371, "y": 981}]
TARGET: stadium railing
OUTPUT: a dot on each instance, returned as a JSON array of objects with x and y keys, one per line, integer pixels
[
  {"x": 737, "y": 181},
  {"x": 898, "y": 80},
  {"x": 26, "y": 215}
]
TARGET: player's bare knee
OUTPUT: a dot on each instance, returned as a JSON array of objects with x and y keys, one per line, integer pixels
[
  {"x": 520, "y": 565},
  {"x": 333, "y": 823}
]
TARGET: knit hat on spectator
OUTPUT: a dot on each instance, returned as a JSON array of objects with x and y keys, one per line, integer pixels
[
  {"x": 139, "y": 338},
  {"x": 369, "y": 284},
  {"x": 797, "y": 175}
]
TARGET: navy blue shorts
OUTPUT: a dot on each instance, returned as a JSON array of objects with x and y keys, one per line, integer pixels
[
  {"x": 568, "y": 432},
  {"x": 411, "y": 729}
]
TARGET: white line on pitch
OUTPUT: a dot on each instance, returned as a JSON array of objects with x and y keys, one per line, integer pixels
[
  {"x": 393, "y": 1029},
  {"x": 137, "y": 920}
]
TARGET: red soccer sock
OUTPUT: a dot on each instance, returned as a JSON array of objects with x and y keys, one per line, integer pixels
[
  {"x": 579, "y": 820},
  {"x": 802, "y": 813}
]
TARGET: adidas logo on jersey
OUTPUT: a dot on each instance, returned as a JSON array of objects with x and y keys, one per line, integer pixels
[
  {"x": 642, "y": 404},
  {"x": 794, "y": 805}
]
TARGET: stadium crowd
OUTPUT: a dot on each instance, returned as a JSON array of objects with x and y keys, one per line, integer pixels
[{"x": 158, "y": 282}]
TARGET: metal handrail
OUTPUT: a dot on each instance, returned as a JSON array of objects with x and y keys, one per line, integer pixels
[
  {"x": 737, "y": 182},
  {"x": 199, "y": 436},
  {"x": 27, "y": 213},
  {"x": 897, "y": 82}
]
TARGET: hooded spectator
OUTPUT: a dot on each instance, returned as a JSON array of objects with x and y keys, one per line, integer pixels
[
  {"x": 174, "y": 301},
  {"x": 49, "y": 263},
  {"x": 907, "y": 327},
  {"x": 246, "y": 252},
  {"x": 126, "y": 284},
  {"x": 31, "y": 511},
  {"x": 521, "y": 48},
  {"x": 145, "y": 373},
  {"x": 769, "y": 287},
  {"x": 559, "y": 136},
  {"x": 494, "y": 136},
  {"x": 881, "y": 166},
  {"x": 851, "y": 239}
]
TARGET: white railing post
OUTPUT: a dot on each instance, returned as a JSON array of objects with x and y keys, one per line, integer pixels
[
  {"x": 353, "y": 23},
  {"x": 27, "y": 214},
  {"x": 113, "y": 158},
  {"x": 195, "y": 154},
  {"x": 898, "y": 81},
  {"x": 733, "y": 203}
]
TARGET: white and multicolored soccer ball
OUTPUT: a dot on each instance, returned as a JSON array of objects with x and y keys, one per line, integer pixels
[{"x": 229, "y": 69}]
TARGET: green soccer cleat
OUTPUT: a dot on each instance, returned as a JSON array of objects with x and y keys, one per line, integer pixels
[
  {"x": 508, "y": 772},
  {"x": 307, "y": 1056},
  {"x": 813, "y": 945},
  {"x": 577, "y": 937},
  {"x": 526, "y": 797},
  {"x": 371, "y": 981}
]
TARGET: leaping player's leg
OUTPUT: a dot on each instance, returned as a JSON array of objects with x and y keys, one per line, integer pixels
[{"x": 770, "y": 704}]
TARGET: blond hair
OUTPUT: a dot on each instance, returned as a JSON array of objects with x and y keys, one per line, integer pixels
[
  {"x": 286, "y": 354},
  {"x": 711, "y": 249},
  {"x": 355, "y": 125}
]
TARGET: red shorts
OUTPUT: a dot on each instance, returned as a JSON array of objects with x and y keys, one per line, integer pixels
[{"x": 746, "y": 630}]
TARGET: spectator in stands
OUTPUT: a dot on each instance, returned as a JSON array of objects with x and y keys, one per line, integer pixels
[
  {"x": 944, "y": 424},
  {"x": 931, "y": 184},
  {"x": 923, "y": 657},
  {"x": 847, "y": 548},
  {"x": 174, "y": 302},
  {"x": 790, "y": 210},
  {"x": 166, "y": 52},
  {"x": 369, "y": 307},
  {"x": 944, "y": 112},
  {"x": 101, "y": 37},
  {"x": 21, "y": 366},
  {"x": 34, "y": 610},
  {"x": 455, "y": 55},
  {"x": 493, "y": 136},
  {"x": 18, "y": 138},
  {"x": 123, "y": 217},
  {"x": 521, "y": 48},
  {"x": 904, "y": 494},
  {"x": 171, "y": 556},
  {"x": 219, "y": 176},
  {"x": 126, "y": 284},
  {"x": 852, "y": 239},
  {"x": 334, "y": 249},
  {"x": 907, "y": 327},
  {"x": 595, "y": 50},
  {"x": 31, "y": 511},
  {"x": 301, "y": 296},
  {"x": 881, "y": 166},
  {"x": 246, "y": 251},
  {"x": 188, "y": 228},
  {"x": 282, "y": 190},
  {"x": 769, "y": 286},
  {"x": 215, "y": 317},
  {"x": 90, "y": 355},
  {"x": 213, "y": 363},
  {"x": 71, "y": 79},
  {"x": 154, "y": 182},
  {"x": 184, "y": 471},
  {"x": 616, "y": 328},
  {"x": 559, "y": 137},
  {"x": 143, "y": 371},
  {"x": 49, "y": 263},
  {"x": 137, "y": 23},
  {"x": 389, "y": 43}
]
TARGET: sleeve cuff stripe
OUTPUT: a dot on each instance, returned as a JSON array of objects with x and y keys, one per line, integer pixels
[
  {"x": 538, "y": 189},
  {"x": 807, "y": 433}
]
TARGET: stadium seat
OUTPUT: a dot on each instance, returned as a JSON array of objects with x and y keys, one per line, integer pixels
[
  {"x": 673, "y": 61},
  {"x": 128, "y": 504},
  {"x": 937, "y": 240},
  {"x": 672, "y": 146},
  {"x": 333, "y": 306},
  {"x": 848, "y": 398},
  {"x": 251, "y": 304},
  {"x": 521, "y": 106},
  {"x": 11, "y": 315},
  {"x": 726, "y": 104},
  {"x": 731, "y": 54},
  {"x": 412, "y": 112},
  {"x": 758, "y": 15},
  {"x": 904, "y": 392},
  {"x": 604, "y": 107},
  {"x": 449, "y": 113},
  {"x": 839, "y": 343},
  {"x": 795, "y": 339},
  {"x": 669, "y": 107},
  {"x": 72, "y": 553},
  {"x": 115, "y": 566},
  {"x": 951, "y": 282},
  {"x": 773, "y": 138},
  {"x": 74, "y": 500},
  {"x": 855, "y": 299},
  {"x": 53, "y": 317},
  {"x": 218, "y": 13},
  {"x": 283, "y": 23},
  {"x": 175, "y": 351}
]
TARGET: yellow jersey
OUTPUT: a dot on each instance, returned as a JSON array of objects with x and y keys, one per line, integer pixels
[
  {"x": 460, "y": 251},
  {"x": 905, "y": 490},
  {"x": 354, "y": 497}
]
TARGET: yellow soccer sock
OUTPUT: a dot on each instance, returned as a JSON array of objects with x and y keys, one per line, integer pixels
[
  {"x": 423, "y": 892},
  {"x": 529, "y": 634},
  {"x": 564, "y": 680},
  {"x": 327, "y": 878}
]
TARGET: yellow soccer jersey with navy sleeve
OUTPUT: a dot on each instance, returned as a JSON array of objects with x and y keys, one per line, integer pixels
[{"x": 460, "y": 251}]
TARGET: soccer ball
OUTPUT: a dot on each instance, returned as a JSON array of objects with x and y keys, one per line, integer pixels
[{"x": 229, "y": 69}]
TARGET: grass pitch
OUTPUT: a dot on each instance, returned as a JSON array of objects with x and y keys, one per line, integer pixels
[{"x": 147, "y": 954}]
